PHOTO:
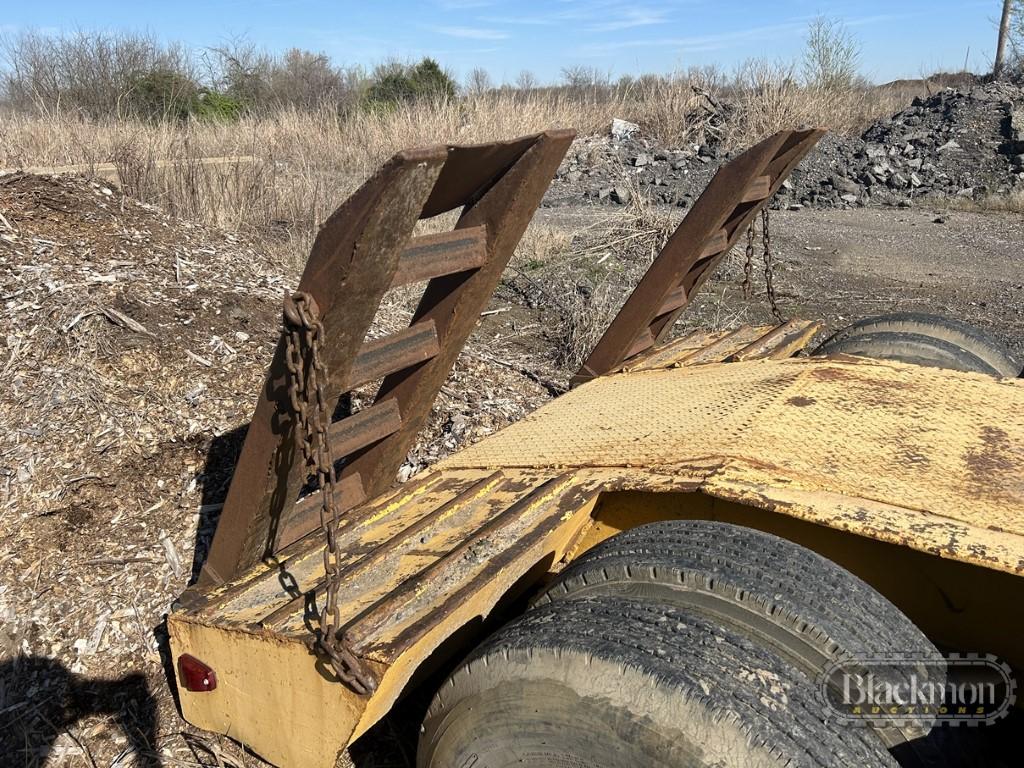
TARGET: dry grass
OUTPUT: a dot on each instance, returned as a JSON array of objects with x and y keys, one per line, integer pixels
[
  {"x": 1008, "y": 203},
  {"x": 769, "y": 98},
  {"x": 307, "y": 162}
]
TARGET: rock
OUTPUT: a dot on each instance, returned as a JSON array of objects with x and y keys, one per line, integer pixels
[
  {"x": 641, "y": 160},
  {"x": 604, "y": 193},
  {"x": 1018, "y": 161},
  {"x": 851, "y": 199},
  {"x": 844, "y": 185},
  {"x": 949, "y": 145},
  {"x": 1017, "y": 126},
  {"x": 916, "y": 163},
  {"x": 574, "y": 176},
  {"x": 795, "y": 207},
  {"x": 874, "y": 151},
  {"x": 621, "y": 195},
  {"x": 623, "y": 129},
  {"x": 915, "y": 180}
]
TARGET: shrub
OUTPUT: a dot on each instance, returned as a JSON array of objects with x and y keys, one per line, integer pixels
[
  {"x": 396, "y": 83},
  {"x": 831, "y": 56},
  {"x": 163, "y": 93}
]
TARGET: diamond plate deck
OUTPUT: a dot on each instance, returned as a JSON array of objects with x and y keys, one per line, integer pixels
[{"x": 946, "y": 444}]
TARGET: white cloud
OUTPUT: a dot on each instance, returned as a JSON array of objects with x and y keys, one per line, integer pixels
[
  {"x": 472, "y": 33},
  {"x": 631, "y": 18}
]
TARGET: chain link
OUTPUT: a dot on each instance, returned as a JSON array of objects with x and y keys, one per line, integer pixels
[
  {"x": 307, "y": 380},
  {"x": 748, "y": 264},
  {"x": 769, "y": 265}
]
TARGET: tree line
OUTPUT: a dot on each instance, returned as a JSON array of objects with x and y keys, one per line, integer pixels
[{"x": 134, "y": 75}]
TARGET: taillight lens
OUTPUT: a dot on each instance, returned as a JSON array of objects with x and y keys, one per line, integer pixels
[{"x": 195, "y": 675}]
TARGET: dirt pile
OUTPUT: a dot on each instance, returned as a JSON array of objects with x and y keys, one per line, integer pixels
[{"x": 954, "y": 144}]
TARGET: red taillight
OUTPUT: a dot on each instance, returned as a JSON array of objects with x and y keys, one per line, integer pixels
[{"x": 195, "y": 675}]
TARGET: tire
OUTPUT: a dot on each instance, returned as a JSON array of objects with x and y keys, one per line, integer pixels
[
  {"x": 607, "y": 682},
  {"x": 802, "y": 606},
  {"x": 921, "y": 339}
]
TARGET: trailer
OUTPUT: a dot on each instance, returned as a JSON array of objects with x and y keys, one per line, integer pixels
[{"x": 672, "y": 564}]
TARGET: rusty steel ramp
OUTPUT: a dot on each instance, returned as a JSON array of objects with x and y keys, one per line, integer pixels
[
  {"x": 366, "y": 248},
  {"x": 737, "y": 193}
]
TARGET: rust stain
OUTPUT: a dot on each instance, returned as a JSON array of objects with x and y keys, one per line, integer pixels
[
  {"x": 987, "y": 461},
  {"x": 800, "y": 401}
]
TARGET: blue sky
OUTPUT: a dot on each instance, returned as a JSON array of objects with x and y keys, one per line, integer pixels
[{"x": 900, "y": 38}]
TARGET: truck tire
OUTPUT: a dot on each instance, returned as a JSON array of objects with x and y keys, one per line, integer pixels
[
  {"x": 804, "y": 607},
  {"x": 608, "y": 682},
  {"x": 932, "y": 340}
]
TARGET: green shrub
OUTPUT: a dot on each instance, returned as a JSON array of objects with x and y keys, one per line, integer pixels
[
  {"x": 217, "y": 107},
  {"x": 164, "y": 93},
  {"x": 397, "y": 83}
]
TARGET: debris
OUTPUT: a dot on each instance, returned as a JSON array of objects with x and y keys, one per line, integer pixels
[
  {"x": 120, "y": 318},
  {"x": 623, "y": 129}
]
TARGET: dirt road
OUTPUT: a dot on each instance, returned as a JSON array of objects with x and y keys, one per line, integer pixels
[{"x": 841, "y": 265}]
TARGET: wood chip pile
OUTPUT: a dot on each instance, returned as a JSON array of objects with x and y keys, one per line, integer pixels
[{"x": 131, "y": 352}]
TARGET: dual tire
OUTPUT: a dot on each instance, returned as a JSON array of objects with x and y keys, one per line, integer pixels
[
  {"x": 921, "y": 339},
  {"x": 683, "y": 644}
]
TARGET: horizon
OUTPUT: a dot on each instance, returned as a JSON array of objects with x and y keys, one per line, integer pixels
[{"x": 547, "y": 37}]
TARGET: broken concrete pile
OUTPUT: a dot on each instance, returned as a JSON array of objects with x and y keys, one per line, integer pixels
[
  {"x": 953, "y": 144},
  {"x": 965, "y": 144}
]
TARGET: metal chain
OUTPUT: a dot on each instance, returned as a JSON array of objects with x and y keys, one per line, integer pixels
[
  {"x": 307, "y": 379},
  {"x": 769, "y": 266},
  {"x": 748, "y": 265}
]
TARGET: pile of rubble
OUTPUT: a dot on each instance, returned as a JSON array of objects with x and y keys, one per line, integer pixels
[
  {"x": 954, "y": 144},
  {"x": 615, "y": 169}
]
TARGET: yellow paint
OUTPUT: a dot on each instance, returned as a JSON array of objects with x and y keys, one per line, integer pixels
[{"x": 911, "y": 477}]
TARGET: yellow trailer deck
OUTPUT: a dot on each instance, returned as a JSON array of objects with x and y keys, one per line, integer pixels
[{"x": 910, "y": 477}]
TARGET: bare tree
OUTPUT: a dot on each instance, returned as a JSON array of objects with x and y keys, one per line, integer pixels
[
  {"x": 478, "y": 82},
  {"x": 831, "y": 55},
  {"x": 526, "y": 81},
  {"x": 94, "y": 73}
]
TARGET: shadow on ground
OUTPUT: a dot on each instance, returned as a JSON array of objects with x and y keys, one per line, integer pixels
[{"x": 41, "y": 702}]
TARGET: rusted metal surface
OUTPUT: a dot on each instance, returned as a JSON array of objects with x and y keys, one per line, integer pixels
[
  {"x": 305, "y": 516},
  {"x": 445, "y": 253},
  {"x": 394, "y": 547},
  {"x": 365, "y": 248},
  {"x": 380, "y": 357},
  {"x": 374, "y": 224},
  {"x": 367, "y": 426},
  {"x": 718, "y": 218},
  {"x": 782, "y": 342},
  {"x": 454, "y": 303}
]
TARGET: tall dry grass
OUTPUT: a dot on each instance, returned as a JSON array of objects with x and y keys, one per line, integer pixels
[{"x": 306, "y": 162}]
